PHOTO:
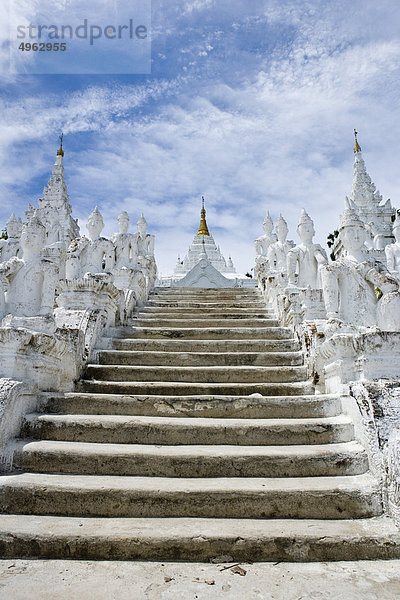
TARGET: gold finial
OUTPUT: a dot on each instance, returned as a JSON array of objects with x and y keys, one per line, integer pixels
[
  {"x": 60, "y": 151},
  {"x": 203, "y": 229},
  {"x": 357, "y": 147}
]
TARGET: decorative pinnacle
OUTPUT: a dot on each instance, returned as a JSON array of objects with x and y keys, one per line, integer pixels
[
  {"x": 203, "y": 229},
  {"x": 60, "y": 151},
  {"x": 357, "y": 147}
]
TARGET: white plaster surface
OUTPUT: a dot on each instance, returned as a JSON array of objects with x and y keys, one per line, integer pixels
[
  {"x": 374, "y": 212},
  {"x": 203, "y": 274},
  {"x": 98, "y": 580}
]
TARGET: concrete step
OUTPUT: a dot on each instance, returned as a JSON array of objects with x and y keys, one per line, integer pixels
[
  {"x": 204, "y": 322},
  {"x": 205, "y": 306},
  {"x": 220, "y": 311},
  {"x": 223, "y": 301},
  {"x": 195, "y": 359},
  {"x": 123, "y": 429},
  {"x": 191, "y": 291},
  {"x": 353, "y": 496},
  {"x": 206, "y": 346},
  {"x": 207, "y": 292},
  {"x": 238, "y": 407},
  {"x": 191, "y": 539},
  {"x": 197, "y": 313},
  {"x": 190, "y": 461},
  {"x": 168, "y": 388},
  {"x": 200, "y": 315},
  {"x": 198, "y": 415},
  {"x": 209, "y": 333},
  {"x": 238, "y": 374},
  {"x": 198, "y": 290},
  {"x": 204, "y": 293}
]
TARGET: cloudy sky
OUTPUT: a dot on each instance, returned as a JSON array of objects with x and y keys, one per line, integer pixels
[{"x": 251, "y": 103}]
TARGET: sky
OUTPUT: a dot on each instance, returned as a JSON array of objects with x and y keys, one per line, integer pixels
[{"x": 249, "y": 103}]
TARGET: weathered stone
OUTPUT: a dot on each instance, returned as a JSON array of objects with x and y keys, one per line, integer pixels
[{"x": 196, "y": 448}]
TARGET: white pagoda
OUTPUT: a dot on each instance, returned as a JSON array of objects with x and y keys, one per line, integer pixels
[
  {"x": 377, "y": 214},
  {"x": 203, "y": 246}
]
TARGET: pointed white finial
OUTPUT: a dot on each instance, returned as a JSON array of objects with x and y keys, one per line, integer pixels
[
  {"x": 12, "y": 219},
  {"x": 304, "y": 218},
  {"x": 280, "y": 221},
  {"x": 357, "y": 147},
  {"x": 60, "y": 151},
  {"x": 349, "y": 218}
]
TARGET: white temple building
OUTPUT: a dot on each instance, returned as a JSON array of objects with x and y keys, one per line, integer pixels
[
  {"x": 377, "y": 215},
  {"x": 204, "y": 264},
  {"x": 203, "y": 243}
]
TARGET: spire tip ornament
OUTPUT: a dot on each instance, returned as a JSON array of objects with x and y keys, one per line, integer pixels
[
  {"x": 60, "y": 151},
  {"x": 357, "y": 147},
  {"x": 203, "y": 229}
]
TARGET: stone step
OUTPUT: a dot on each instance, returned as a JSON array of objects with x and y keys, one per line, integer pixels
[
  {"x": 238, "y": 407},
  {"x": 232, "y": 346},
  {"x": 194, "y": 359},
  {"x": 238, "y": 374},
  {"x": 202, "y": 333},
  {"x": 200, "y": 315},
  {"x": 222, "y": 300},
  {"x": 233, "y": 313},
  {"x": 352, "y": 496},
  {"x": 207, "y": 293},
  {"x": 193, "y": 304},
  {"x": 204, "y": 322},
  {"x": 190, "y": 289},
  {"x": 168, "y": 388},
  {"x": 191, "y": 539},
  {"x": 198, "y": 415},
  {"x": 190, "y": 461},
  {"x": 123, "y": 429},
  {"x": 200, "y": 290}
]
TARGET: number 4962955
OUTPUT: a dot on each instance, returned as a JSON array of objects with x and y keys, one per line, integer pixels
[{"x": 42, "y": 47}]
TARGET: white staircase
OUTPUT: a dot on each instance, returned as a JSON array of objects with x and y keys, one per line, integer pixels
[{"x": 195, "y": 435}]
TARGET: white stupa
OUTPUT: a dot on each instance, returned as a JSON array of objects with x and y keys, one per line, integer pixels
[
  {"x": 204, "y": 264},
  {"x": 203, "y": 242},
  {"x": 376, "y": 213}
]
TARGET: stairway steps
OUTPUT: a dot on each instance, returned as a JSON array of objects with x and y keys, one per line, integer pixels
[
  {"x": 197, "y": 359},
  {"x": 124, "y": 429},
  {"x": 226, "y": 374},
  {"x": 225, "y": 299},
  {"x": 169, "y": 388},
  {"x": 51, "y": 456},
  {"x": 191, "y": 539},
  {"x": 244, "y": 301},
  {"x": 209, "y": 332},
  {"x": 204, "y": 294},
  {"x": 191, "y": 291},
  {"x": 206, "y": 322},
  {"x": 205, "y": 306},
  {"x": 196, "y": 313},
  {"x": 210, "y": 346},
  {"x": 194, "y": 433},
  {"x": 238, "y": 407},
  {"x": 352, "y": 496}
]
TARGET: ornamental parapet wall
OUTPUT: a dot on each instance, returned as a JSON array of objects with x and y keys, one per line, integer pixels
[
  {"x": 58, "y": 291},
  {"x": 346, "y": 315}
]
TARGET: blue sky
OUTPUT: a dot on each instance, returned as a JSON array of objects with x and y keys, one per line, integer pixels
[{"x": 250, "y": 103}]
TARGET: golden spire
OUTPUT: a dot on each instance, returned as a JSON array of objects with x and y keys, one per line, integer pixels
[
  {"x": 357, "y": 147},
  {"x": 203, "y": 229},
  {"x": 60, "y": 151}
]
